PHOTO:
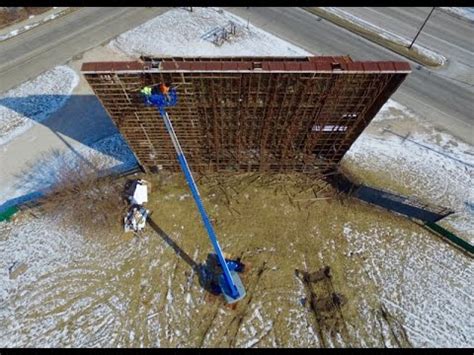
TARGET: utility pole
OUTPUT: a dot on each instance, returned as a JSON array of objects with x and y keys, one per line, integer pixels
[
  {"x": 248, "y": 18},
  {"x": 423, "y": 25}
]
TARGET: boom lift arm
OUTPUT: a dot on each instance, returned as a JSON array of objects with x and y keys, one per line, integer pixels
[{"x": 229, "y": 280}]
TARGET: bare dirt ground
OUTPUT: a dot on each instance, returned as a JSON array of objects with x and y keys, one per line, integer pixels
[{"x": 116, "y": 289}]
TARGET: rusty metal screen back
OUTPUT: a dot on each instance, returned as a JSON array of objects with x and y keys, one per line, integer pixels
[{"x": 274, "y": 114}]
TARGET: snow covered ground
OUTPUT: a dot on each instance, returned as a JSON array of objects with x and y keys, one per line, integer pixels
[
  {"x": 34, "y": 101},
  {"x": 436, "y": 57},
  {"x": 420, "y": 281},
  {"x": 179, "y": 32},
  {"x": 429, "y": 164}
]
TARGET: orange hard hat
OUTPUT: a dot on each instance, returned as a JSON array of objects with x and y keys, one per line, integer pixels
[{"x": 164, "y": 89}]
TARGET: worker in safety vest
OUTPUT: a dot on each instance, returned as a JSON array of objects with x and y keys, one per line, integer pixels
[
  {"x": 146, "y": 91},
  {"x": 154, "y": 95}
]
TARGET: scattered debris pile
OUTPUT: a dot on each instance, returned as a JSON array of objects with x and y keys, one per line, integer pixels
[
  {"x": 325, "y": 302},
  {"x": 218, "y": 35},
  {"x": 136, "y": 193}
]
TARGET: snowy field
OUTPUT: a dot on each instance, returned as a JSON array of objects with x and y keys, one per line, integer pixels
[
  {"x": 431, "y": 165},
  {"x": 422, "y": 281},
  {"x": 137, "y": 292},
  {"x": 34, "y": 101},
  {"x": 180, "y": 33}
]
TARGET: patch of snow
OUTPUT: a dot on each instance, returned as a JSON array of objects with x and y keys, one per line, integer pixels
[
  {"x": 184, "y": 196},
  {"x": 34, "y": 101},
  {"x": 179, "y": 33},
  {"x": 436, "y": 57},
  {"x": 50, "y": 17},
  {"x": 465, "y": 12},
  {"x": 389, "y": 110}
]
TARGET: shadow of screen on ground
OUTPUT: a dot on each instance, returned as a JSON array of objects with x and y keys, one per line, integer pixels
[{"x": 79, "y": 117}]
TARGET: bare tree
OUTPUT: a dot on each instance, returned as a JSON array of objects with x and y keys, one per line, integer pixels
[{"x": 85, "y": 198}]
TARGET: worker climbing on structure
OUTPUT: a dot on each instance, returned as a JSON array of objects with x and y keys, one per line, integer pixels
[{"x": 163, "y": 97}]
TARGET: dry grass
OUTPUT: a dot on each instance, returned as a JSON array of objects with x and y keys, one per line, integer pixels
[
  {"x": 12, "y": 15},
  {"x": 277, "y": 223}
]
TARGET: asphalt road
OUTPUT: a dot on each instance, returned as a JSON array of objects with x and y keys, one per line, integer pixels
[
  {"x": 27, "y": 55},
  {"x": 443, "y": 33},
  {"x": 445, "y": 96},
  {"x": 446, "y": 102}
]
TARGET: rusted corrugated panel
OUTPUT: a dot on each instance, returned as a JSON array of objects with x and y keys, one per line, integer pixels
[
  {"x": 215, "y": 66},
  {"x": 112, "y": 66},
  {"x": 307, "y": 66},
  {"x": 171, "y": 65},
  {"x": 347, "y": 59},
  {"x": 323, "y": 66},
  {"x": 88, "y": 66},
  {"x": 321, "y": 63},
  {"x": 338, "y": 59},
  {"x": 245, "y": 65},
  {"x": 229, "y": 66},
  {"x": 386, "y": 66},
  {"x": 292, "y": 66},
  {"x": 184, "y": 65},
  {"x": 354, "y": 66},
  {"x": 370, "y": 66},
  {"x": 402, "y": 66},
  {"x": 197, "y": 66},
  {"x": 275, "y": 66}
]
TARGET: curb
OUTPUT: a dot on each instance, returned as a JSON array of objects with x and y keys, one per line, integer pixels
[
  {"x": 374, "y": 37},
  {"x": 33, "y": 25}
]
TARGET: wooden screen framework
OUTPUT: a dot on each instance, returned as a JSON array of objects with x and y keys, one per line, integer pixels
[{"x": 274, "y": 114}]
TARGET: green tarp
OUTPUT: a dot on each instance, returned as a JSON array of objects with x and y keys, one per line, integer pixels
[{"x": 6, "y": 215}]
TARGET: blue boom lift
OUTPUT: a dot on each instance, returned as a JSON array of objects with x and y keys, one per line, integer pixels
[{"x": 229, "y": 281}]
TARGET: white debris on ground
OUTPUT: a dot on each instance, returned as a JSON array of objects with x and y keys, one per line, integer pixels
[
  {"x": 436, "y": 57},
  {"x": 34, "y": 101},
  {"x": 433, "y": 165},
  {"x": 179, "y": 32}
]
